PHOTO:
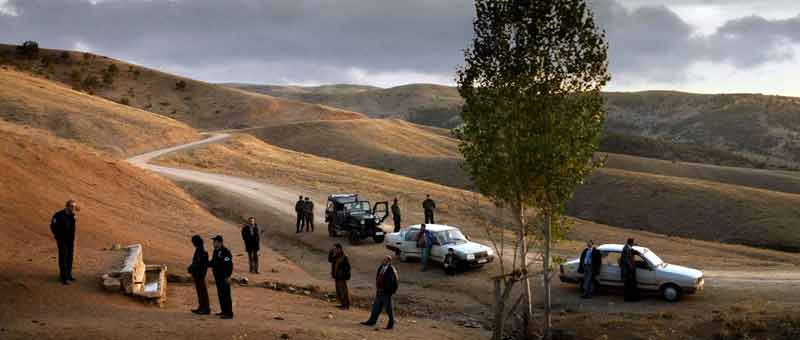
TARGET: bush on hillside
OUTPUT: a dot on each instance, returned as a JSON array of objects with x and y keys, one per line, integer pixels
[
  {"x": 28, "y": 49},
  {"x": 180, "y": 85},
  {"x": 125, "y": 101},
  {"x": 90, "y": 83}
]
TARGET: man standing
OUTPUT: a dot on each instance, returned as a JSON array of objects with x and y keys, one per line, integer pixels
[
  {"x": 425, "y": 242},
  {"x": 298, "y": 209},
  {"x": 222, "y": 267},
  {"x": 198, "y": 269},
  {"x": 62, "y": 225},
  {"x": 590, "y": 263},
  {"x": 308, "y": 209},
  {"x": 627, "y": 263},
  {"x": 386, "y": 283},
  {"x": 396, "y": 215},
  {"x": 252, "y": 243},
  {"x": 340, "y": 271},
  {"x": 429, "y": 206}
]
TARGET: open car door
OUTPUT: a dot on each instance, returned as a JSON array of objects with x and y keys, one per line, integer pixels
[{"x": 381, "y": 211}]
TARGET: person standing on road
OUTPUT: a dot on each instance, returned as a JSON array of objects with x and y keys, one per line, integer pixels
[
  {"x": 627, "y": 264},
  {"x": 298, "y": 209},
  {"x": 429, "y": 206},
  {"x": 425, "y": 242},
  {"x": 252, "y": 243},
  {"x": 340, "y": 271},
  {"x": 198, "y": 269},
  {"x": 222, "y": 267},
  {"x": 396, "y": 215},
  {"x": 308, "y": 212},
  {"x": 386, "y": 284},
  {"x": 62, "y": 225},
  {"x": 590, "y": 263}
]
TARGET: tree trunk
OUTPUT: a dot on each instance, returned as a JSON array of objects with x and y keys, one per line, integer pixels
[
  {"x": 524, "y": 266},
  {"x": 499, "y": 308},
  {"x": 547, "y": 311}
]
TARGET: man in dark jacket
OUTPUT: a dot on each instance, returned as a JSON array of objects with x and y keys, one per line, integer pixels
[
  {"x": 396, "y": 215},
  {"x": 252, "y": 243},
  {"x": 308, "y": 212},
  {"x": 62, "y": 225},
  {"x": 340, "y": 271},
  {"x": 590, "y": 263},
  {"x": 222, "y": 267},
  {"x": 386, "y": 283},
  {"x": 428, "y": 205},
  {"x": 198, "y": 269},
  {"x": 298, "y": 209},
  {"x": 627, "y": 264}
]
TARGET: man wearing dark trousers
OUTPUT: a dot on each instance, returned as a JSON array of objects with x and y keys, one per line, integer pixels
[
  {"x": 627, "y": 264},
  {"x": 252, "y": 243},
  {"x": 590, "y": 263},
  {"x": 198, "y": 269},
  {"x": 222, "y": 267},
  {"x": 429, "y": 206},
  {"x": 396, "y": 215},
  {"x": 298, "y": 209},
  {"x": 308, "y": 209},
  {"x": 386, "y": 283},
  {"x": 62, "y": 225},
  {"x": 340, "y": 271}
]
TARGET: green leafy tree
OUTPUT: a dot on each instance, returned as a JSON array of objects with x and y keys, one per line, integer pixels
[{"x": 533, "y": 113}]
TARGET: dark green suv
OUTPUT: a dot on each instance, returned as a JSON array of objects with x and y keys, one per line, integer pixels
[{"x": 346, "y": 213}]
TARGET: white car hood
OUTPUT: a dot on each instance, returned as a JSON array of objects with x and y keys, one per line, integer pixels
[
  {"x": 467, "y": 248},
  {"x": 681, "y": 271}
]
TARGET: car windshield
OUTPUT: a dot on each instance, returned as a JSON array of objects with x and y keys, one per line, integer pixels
[
  {"x": 652, "y": 258},
  {"x": 358, "y": 207},
  {"x": 453, "y": 236}
]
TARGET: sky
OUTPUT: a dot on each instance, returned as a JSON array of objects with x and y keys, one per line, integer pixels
[{"x": 707, "y": 46}]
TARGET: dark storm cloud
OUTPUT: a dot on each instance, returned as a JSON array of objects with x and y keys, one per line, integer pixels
[{"x": 319, "y": 40}]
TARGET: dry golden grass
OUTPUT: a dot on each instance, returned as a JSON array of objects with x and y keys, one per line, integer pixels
[{"x": 117, "y": 129}]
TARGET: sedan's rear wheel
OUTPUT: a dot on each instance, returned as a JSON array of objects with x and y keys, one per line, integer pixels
[
  {"x": 671, "y": 292},
  {"x": 402, "y": 255}
]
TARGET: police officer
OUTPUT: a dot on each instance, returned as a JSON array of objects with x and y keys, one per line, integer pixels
[
  {"x": 222, "y": 267},
  {"x": 396, "y": 215},
  {"x": 298, "y": 209},
  {"x": 627, "y": 264},
  {"x": 62, "y": 225},
  {"x": 429, "y": 206}
]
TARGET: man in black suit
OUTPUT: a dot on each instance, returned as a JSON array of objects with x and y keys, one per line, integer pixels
[
  {"x": 252, "y": 243},
  {"x": 198, "y": 269},
  {"x": 386, "y": 283},
  {"x": 298, "y": 209},
  {"x": 62, "y": 225},
  {"x": 591, "y": 260}
]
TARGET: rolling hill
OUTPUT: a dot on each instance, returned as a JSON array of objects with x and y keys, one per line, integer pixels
[
  {"x": 108, "y": 126},
  {"x": 198, "y": 104}
]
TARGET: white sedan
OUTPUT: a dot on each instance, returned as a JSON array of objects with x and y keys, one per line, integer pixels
[
  {"x": 652, "y": 274},
  {"x": 468, "y": 253}
]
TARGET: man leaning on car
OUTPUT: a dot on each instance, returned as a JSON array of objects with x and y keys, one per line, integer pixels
[{"x": 590, "y": 262}]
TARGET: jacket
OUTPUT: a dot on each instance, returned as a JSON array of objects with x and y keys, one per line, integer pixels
[
  {"x": 428, "y": 205},
  {"x": 388, "y": 282},
  {"x": 222, "y": 263},
  {"x": 199, "y": 266},
  {"x": 308, "y": 207},
  {"x": 340, "y": 267},
  {"x": 396, "y": 211},
  {"x": 597, "y": 261},
  {"x": 425, "y": 239},
  {"x": 252, "y": 241},
  {"x": 63, "y": 226},
  {"x": 298, "y": 207}
]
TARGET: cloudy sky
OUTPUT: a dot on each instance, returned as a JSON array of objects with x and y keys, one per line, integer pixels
[{"x": 691, "y": 45}]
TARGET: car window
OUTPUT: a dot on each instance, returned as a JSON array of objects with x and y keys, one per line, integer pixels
[
  {"x": 611, "y": 258},
  {"x": 411, "y": 235}
]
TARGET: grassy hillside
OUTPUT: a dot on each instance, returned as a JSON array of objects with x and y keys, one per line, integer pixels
[
  {"x": 108, "y": 126},
  {"x": 199, "y": 104}
]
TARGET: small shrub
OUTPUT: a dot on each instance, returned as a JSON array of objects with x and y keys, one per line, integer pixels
[
  {"x": 28, "y": 49},
  {"x": 108, "y": 78},
  {"x": 136, "y": 74},
  {"x": 180, "y": 85},
  {"x": 163, "y": 103},
  {"x": 87, "y": 56},
  {"x": 90, "y": 83},
  {"x": 125, "y": 101},
  {"x": 64, "y": 56},
  {"x": 75, "y": 78}
]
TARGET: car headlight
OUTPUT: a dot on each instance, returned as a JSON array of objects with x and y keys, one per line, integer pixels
[
  {"x": 490, "y": 252},
  {"x": 362, "y": 221},
  {"x": 470, "y": 257}
]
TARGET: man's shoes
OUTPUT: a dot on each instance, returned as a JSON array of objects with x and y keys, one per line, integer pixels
[
  {"x": 389, "y": 327},
  {"x": 201, "y": 311},
  {"x": 343, "y": 307},
  {"x": 256, "y": 272},
  {"x": 368, "y": 324},
  {"x": 219, "y": 314},
  {"x": 65, "y": 282},
  {"x": 226, "y": 316},
  {"x": 71, "y": 278}
]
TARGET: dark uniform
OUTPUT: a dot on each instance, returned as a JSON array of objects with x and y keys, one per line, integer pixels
[
  {"x": 222, "y": 267},
  {"x": 627, "y": 264},
  {"x": 428, "y": 205},
  {"x": 298, "y": 209},
  {"x": 308, "y": 212},
  {"x": 63, "y": 228},
  {"x": 252, "y": 244},
  {"x": 396, "y": 216},
  {"x": 198, "y": 269}
]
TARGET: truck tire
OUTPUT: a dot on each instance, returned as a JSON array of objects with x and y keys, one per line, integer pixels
[
  {"x": 378, "y": 239},
  {"x": 353, "y": 237}
]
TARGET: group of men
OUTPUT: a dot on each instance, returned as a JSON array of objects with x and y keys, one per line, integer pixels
[
  {"x": 222, "y": 268},
  {"x": 428, "y": 206},
  {"x": 304, "y": 208},
  {"x": 591, "y": 262}
]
